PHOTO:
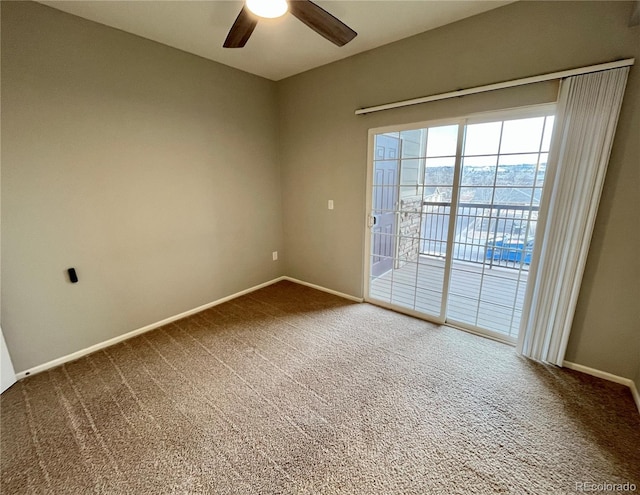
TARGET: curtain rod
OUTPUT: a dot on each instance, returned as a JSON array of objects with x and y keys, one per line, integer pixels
[{"x": 501, "y": 85}]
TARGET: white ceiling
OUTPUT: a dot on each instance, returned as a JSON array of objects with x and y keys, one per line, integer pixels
[{"x": 278, "y": 48}]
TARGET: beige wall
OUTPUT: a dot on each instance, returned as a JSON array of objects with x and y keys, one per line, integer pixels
[
  {"x": 324, "y": 145},
  {"x": 152, "y": 171}
]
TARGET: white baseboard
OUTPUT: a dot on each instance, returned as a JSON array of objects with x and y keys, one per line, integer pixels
[
  {"x": 606, "y": 376},
  {"x": 107, "y": 343},
  {"x": 636, "y": 395},
  {"x": 324, "y": 289}
]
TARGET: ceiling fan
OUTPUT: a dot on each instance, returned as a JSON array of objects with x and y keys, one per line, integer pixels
[{"x": 314, "y": 16}]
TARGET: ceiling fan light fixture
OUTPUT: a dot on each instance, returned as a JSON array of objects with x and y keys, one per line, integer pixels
[
  {"x": 306, "y": 11},
  {"x": 269, "y": 9}
]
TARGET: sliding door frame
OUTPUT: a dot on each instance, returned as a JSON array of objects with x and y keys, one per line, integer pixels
[
  {"x": 368, "y": 224},
  {"x": 462, "y": 122}
]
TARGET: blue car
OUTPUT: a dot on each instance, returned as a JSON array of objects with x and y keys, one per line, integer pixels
[{"x": 510, "y": 249}]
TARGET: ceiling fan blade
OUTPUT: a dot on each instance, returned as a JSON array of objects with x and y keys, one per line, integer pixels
[
  {"x": 242, "y": 28},
  {"x": 322, "y": 22}
]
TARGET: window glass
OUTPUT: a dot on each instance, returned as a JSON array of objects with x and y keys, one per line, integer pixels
[
  {"x": 442, "y": 141},
  {"x": 482, "y": 139},
  {"x": 522, "y": 135}
]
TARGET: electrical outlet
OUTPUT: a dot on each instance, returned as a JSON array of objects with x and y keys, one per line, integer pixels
[
  {"x": 275, "y": 255},
  {"x": 330, "y": 204}
]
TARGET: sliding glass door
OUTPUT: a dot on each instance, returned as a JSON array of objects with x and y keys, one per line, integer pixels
[
  {"x": 453, "y": 215},
  {"x": 424, "y": 168}
]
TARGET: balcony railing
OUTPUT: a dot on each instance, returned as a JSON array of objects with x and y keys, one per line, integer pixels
[{"x": 496, "y": 235}]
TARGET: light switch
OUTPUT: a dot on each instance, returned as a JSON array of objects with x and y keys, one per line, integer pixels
[{"x": 330, "y": 204}]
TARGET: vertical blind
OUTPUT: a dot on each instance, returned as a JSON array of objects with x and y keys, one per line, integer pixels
[{"x": 588, "y": 109}]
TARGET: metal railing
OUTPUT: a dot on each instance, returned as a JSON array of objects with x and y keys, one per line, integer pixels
[{"x": 493, "y": 234}]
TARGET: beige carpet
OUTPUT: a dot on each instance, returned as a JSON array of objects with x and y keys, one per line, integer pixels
[{"x": 290, "y": 390}]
